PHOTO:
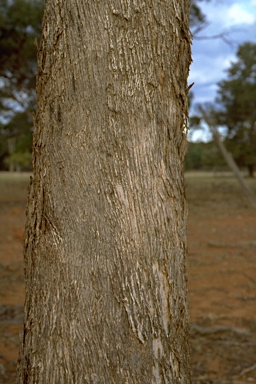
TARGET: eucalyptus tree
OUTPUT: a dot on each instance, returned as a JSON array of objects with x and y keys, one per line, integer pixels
[
  {"x": 105, "y": 248},
  {"x": 237, "y": 106},
  {"x": 20, "y": 29},
  {"x": 20, "y": 25}
]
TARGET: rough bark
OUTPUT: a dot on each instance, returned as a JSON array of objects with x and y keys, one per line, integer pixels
[{"x": 105, "y": 249}]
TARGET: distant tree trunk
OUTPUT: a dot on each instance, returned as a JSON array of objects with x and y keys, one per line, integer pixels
[
  {"x": 11, "y": 143},
  {"x": 229, "y": 158},
  {"x": 105, "y": 249},
  {"x": 251, "y": 170}
]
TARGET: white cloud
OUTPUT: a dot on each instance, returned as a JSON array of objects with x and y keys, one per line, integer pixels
[
  {"x": 212, "y": 57},
  {"x": 230, "y": 13},
  {"x": 239, "y": 15}
]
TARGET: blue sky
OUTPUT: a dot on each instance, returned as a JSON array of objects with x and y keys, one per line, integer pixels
[{"x": 212, "y": 57}]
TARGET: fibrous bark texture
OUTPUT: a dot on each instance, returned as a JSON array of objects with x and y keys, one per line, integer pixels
[{"x": 105, "y": 238}]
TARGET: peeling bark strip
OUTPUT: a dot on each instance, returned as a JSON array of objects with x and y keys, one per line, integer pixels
[{"x": 105, "y": 238}]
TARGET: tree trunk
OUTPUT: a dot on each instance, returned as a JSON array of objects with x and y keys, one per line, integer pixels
[
  {"x": 248, "y": 193},
  {"x": 250, "y": 170},
  {"x": 11, "y": 143},
  {"x": 106, "y": 294}
]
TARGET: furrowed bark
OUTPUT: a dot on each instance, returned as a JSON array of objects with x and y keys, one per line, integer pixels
[{"x": 106, "y": 293}]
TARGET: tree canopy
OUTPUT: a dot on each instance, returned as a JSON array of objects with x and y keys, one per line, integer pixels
[
  {"x": 234, "y": 109},
  {"x": 20, "y": 25},
  {"x": 197, "y": 18},
  {"x": 20, "y": 28},
  {"x": 237, "y": 106}
]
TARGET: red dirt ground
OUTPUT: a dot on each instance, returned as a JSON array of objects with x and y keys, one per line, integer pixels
[{"x": 221, "y": 271}]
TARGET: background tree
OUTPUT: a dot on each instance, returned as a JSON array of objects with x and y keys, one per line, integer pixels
[
  {"x": 198, "y": 20},
  {"x": 204, "y": 156},
  {"x": 208, "y": 114},
  {"x": 237, "y": 107},
  {"x": 106, "y": 232},
  {"x": 20, "y": 25}
]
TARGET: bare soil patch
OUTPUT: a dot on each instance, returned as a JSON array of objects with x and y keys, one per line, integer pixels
[
  {"x": 222, "y": 280},
  {"x": 221, "y": 271}
]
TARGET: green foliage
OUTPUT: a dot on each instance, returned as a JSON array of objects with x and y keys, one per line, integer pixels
[
  {"x": 237, "y": 100},
  {"x": 197, "y": 18},
  {"x": 19, "y": 161},
  {"x": 20, "y": 25},
  {"x": 193, "y": 159},
  {"x": 203, "y": 156}
]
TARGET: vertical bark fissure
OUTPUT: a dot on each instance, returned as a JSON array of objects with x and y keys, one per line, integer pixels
[{"x": 106, "y": 245}]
